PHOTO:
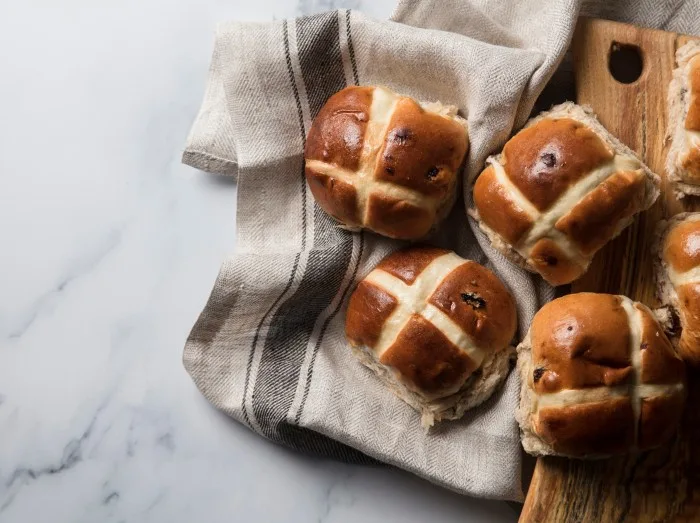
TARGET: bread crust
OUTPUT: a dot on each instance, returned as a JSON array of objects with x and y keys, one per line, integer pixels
[{"x": 478, "y": 388}]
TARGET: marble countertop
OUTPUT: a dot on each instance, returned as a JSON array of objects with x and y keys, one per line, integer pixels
[{"x": 110, "y": 249}]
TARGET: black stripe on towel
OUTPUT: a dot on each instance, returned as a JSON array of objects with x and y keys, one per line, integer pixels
[
  {"x": 351, "y": 48},
  {"x": 284, "y": 351},
  {"x": 351, "y": 53},
  {"x": 301, "y": 438},
  {"x": 291, "y": 326}
]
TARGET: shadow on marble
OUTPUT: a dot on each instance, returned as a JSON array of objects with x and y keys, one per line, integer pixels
[
  {"x": 363, "y": 493},
  {"x": 217, "y": 180}
]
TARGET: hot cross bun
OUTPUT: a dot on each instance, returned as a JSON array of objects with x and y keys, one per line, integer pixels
[
  {"x": 678, "y": 278},
  {"x": 683, "y": 161},
  {"x": 384, "y": 162},
  {"x": 435, "y": 327},
  {"x": 560, "y": 190},
  {"x": 598, "y": 377}
]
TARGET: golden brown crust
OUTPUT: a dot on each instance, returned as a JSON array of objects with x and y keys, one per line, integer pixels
[
  {"x": 336, "y": 197},
  {"x": 406, "y": 264},
  {"x": 659, "y": 418},
  {"x": 683, "y": 158},
  {"x": 545, "y": 159},
  {"x": 553, "y": 264},
  {"x": 476, "y": 300},
  {"x": 692, "y": 119},
  {"x": 689, "y": 343},
  {"x": 682, "y": 246},
  {"x": 659, "y": 362},
  {"x": 570, "y": 187},
  {"x": 338, "y": 131},
  {"x": 580, "y": 340},
  {"x": 368, "y": 309},
  {"x": 397, "y": 218},
  {"x": 497, "y": 210},
  {"x": 421, "y": 151},
  {"x": 593, "y": 221},
  {"x": 588, "y": 429},
  {"x": 426, "y": 359}
]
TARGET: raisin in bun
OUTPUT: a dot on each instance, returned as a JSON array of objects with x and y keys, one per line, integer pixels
[
  {"x": 435, "y": 328},
  {"x": 599, "y": 377},
  {"x": 384, "y": 162},
  {"x": 560, "y": 190}
]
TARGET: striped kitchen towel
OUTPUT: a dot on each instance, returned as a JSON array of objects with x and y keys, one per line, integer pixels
[{"x": 269, "y": 348}]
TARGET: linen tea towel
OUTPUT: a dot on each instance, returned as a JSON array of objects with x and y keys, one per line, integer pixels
[{"x": 269, "y": 347}]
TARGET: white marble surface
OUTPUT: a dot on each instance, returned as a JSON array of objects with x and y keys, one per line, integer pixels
[{"x": 109, "y": 249}]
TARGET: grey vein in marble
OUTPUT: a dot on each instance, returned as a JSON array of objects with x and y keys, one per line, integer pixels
[{"x": 82, "y": 268}]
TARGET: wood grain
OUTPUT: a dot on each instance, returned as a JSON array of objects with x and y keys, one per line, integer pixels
[{"x": 663, "y": 485}]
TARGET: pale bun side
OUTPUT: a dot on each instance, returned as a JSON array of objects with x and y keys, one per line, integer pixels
[{"x": 479, "y": 387}]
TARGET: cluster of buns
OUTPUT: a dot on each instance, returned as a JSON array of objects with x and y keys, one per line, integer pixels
[
  {"x": 558, "y": 192},
  {"x": 598, "y": 374}
]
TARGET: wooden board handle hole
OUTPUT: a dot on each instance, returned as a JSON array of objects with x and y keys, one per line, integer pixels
[{"x": 625, "y": 62}]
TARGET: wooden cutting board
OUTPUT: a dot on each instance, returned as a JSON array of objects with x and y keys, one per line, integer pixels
[{"x": 663, "y": 485}]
